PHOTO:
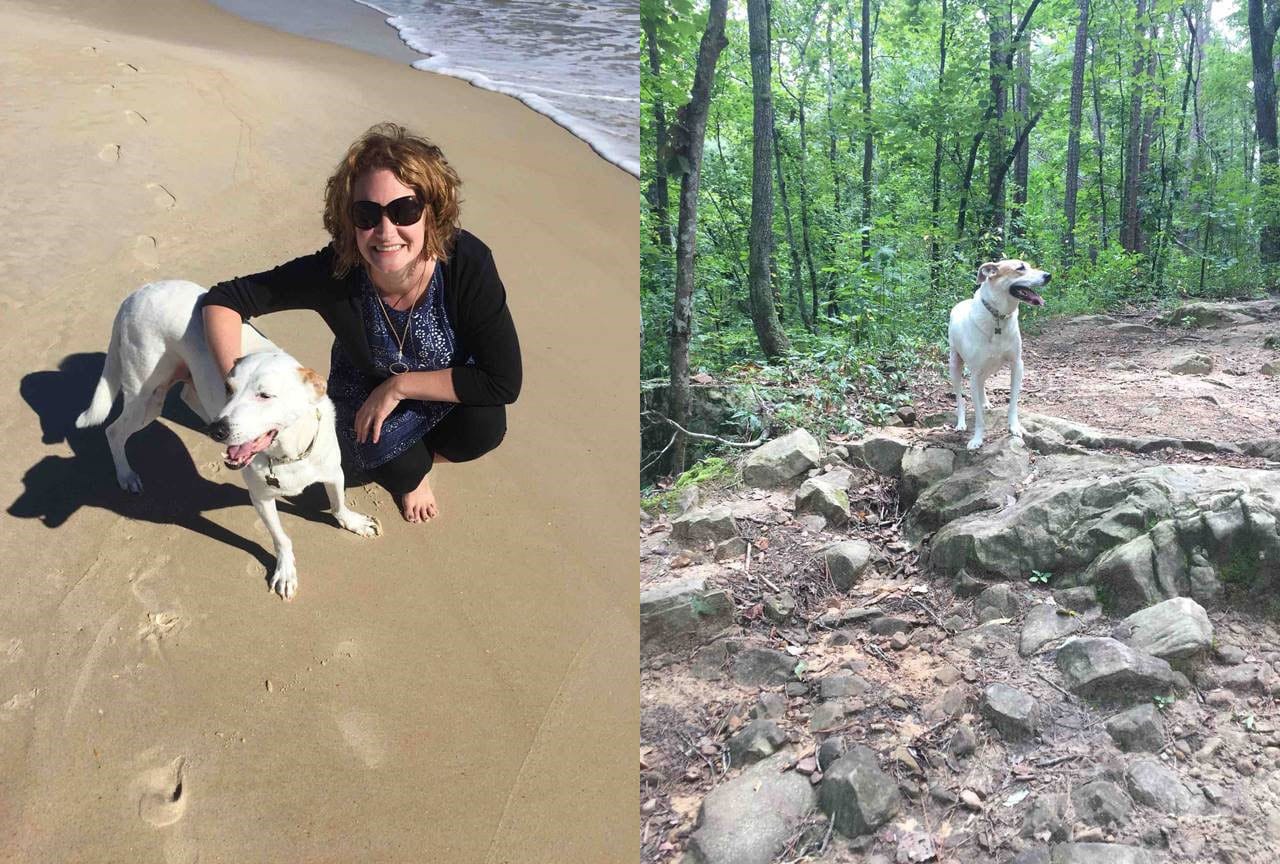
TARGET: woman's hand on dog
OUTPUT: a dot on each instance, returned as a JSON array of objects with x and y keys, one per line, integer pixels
[{"x": 381, "y": 402}]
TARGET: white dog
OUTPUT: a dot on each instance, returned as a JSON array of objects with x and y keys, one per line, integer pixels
[
  {"x": 984, "y": 336},
  {"x": 275, "y": 418}
]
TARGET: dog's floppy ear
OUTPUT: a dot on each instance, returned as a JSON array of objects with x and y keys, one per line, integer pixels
[
  {"x": 986, "y": 271},
  {"x": 313, "y": 380}
]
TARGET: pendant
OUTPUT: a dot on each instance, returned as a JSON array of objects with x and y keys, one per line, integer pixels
[
  {"x": 398, "y": 368},
  {"x": 273, "y": 482},
  {"x": 998, "y": 330}
]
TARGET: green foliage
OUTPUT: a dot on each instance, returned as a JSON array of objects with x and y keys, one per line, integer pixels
[
  {"x": 1163, "y": 703},
  {"x": 711, "y": 472},
  {"x": 1039, "y": 577}
]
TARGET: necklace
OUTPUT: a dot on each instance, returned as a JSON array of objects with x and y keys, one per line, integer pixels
[{"x": 399, "y": 367}]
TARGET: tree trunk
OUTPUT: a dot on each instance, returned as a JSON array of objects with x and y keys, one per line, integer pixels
[
  {"x": 797, "y": 281},
  {"x": 693, "y": 126},
  {"x": 773, "y": 342},
  {"x": 1099, "y": 137},
  {"x": 832, "y": 150},
  {"x": 1262, "y": 37},
  {"x": 997, "y": 149},
  {"x": 1129, "y": 224},
  {"x": 659, "y": 201},
  {"x": 866, "y": 130},
  {"x": 1073, "y": 129},
  {"x": 935, "y": 179},
  {"x": 1203, "y": 25},
  {"x": 1022, "y": 163}
]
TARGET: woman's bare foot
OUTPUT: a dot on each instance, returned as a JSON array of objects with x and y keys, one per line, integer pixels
[{"x": 420, "y": 504}]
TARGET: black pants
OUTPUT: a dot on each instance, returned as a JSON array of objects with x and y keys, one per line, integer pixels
[{"x": 467, "y": 432}]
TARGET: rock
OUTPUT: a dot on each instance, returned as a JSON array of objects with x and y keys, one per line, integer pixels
[
  {"x": 1109, "y": 671},
  {"x": 963, "y": 741},
  {"x": 840, "y": 685},
  {"x": 1047, "y": 819},
  {"x": 749, "y": 819},
  {"x": 1271, "y": 369},
  {"x": 829, "y": 715},
  {"x": 951, "y": 702},
  {"x": 1100, "y": 853},
  {"x": 1204, "y": 314},
  {"x": 687, "y": 498},
  {"x": 1014, "y": 713},
  {"x": 758, "y": 740},
  {"x": 1138, "y": 729},
  {"x": 921, "y": 468},
  {"x": 1102, "y": 803},
  {"x": 986, "y": 484},
  {"x": 998, "y": 601},
  {"x": 682, "y": 613},
  {"x": 781, "y": 460},
  {"x": 1034, "y": 855},
  {"x": 887, "y": 625},
  {"x": 899, "y": 642},
  {"x": 882, "y": 452},
  {"x": 970, "y": 800},
  {"x": 1192, "y": 364},
  {"x": 761, "y": 667},
  {"x": 812, "y": 522},
  {"x": 834, "y": 618},
  {"x": 1081, "y": 599},
  {"x": 1151, "y": 783},
  {"x": 817, "y": 495},
  {"x": 831, "y": 750},
  {"x": 1175, "y": 630},
  {"x": 704, "y": 526},
  {"x": 1044, "y": 623},
  {"x": 857, "y": 795},
  {"x": 779, "y": 607},
  {"x": 771, "y": 706},
  {"x": 942, "y": 793},
  {"x": 1229, "y": 655},
  {"x": 846, "y": 561}
]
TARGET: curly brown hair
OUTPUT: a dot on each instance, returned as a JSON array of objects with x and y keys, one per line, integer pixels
[{"x": 418, "y": 164}]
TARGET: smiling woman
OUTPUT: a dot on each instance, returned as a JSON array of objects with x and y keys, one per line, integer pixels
[{"x": 425, "y": 354}]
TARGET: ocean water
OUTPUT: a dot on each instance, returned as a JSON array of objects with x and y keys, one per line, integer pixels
[{"x": 575, "y": 61}]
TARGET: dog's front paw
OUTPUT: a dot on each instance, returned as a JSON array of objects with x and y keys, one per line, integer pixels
[
  {"x": 1016, "y": 430},
  {"x": 975, "y": 442},
  {"x": 130, "y": 482},
  {"x": 961, "y": 425},
  {"x": 284, "y": 581},
  {"x": 356, "y": 523}
]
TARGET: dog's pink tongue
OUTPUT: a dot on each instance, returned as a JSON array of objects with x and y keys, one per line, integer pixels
[{"x": 244, "y": 452}]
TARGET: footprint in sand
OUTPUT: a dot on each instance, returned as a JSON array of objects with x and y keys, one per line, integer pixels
[
  {"x": 106, "y": 88},
  {"x": 164, "y": 793},
  {"x": 89, "y": 50},
  {"x": 360, "y": 729},
  {"x": 128, "y": 67},
  {"x": 146, "y": 251},
  {"x": 163, "y": 198},
  {"x": 109, "y": 153},
  {"x": 134, "y": 118}
]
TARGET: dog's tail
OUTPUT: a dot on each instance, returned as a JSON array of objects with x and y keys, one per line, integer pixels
[{"x": 104, "y": 395}]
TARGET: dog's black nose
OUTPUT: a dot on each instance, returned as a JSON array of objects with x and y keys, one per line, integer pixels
[
  {"x": 1047, "y": 277},
  {"x": 219, "y": 430}
]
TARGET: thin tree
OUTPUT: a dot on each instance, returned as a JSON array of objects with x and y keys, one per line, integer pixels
[
  {"x": 867, "y": 138},
  {"x": 657, "y": 193},
  {"x": 1073, "y": 129},
  {"x": 1130, "y": 223},
  {"x": 998, "y": 24},
  {"x": 687, "y": 149},
  {"x": 1263, "y": 24},
  {"x": 1022, "y": 163},
  {"x": 935, "y": 177},
  {"x": 773, "y": 342}
]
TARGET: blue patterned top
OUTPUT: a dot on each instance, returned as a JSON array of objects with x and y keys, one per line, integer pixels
[{"x": 429, "y": 345}]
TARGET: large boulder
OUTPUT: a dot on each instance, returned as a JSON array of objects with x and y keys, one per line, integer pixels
[
  {"x": 749, "y": 819},
  {"x": 996, "y": 602},
  {"x": 846, "y": 561},
  {"x": 986, "y": 484},
  {"x": 1177, "y": 629},
  {"x": 1110, "y": 672},
  {"x": 681, "y": 614},
  {"x": 1155, "y": 785},
  {"x": 857, "y": 795},
  {"x": 1101, "y": 853},
  {"x": 827, "y": 499},
  {"x": 762, "y": 667},
  {"x": 1102, "y": 802},
  {"x": 1044, "y": 623},
  {"x": 921, "y": 468},
  {"x": 781, "y": 460},
  {"x": 1137, "y": 729},
  {"x": 703, "y": 526},
  {"x": 881, "y": 451},
  {"x": 1015, "y": 713}
]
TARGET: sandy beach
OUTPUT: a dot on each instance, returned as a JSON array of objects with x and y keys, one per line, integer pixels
[{"x": 461, "y": 691}]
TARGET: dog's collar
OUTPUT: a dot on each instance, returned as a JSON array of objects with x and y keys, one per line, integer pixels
[
  {"x": 272, "y": 462},
  {"x": 994, "y": 314}
]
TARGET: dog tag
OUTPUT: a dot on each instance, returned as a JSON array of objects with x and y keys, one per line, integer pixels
[{"x": 273, "y": 482}]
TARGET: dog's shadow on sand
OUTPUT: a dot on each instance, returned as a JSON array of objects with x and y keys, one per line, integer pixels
[{"x": 174, "y": 491}]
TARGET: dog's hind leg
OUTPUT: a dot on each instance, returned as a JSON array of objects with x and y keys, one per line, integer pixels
[
  {"x": 1015, "y": 387},
  {"x": 957, "y": 384},
  {"x": 139, "y": 410}
]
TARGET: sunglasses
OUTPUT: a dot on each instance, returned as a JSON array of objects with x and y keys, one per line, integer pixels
[{"x": 402, "y": 211}]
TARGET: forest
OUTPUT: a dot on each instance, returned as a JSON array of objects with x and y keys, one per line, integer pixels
[{"x": 822, "y": 178}]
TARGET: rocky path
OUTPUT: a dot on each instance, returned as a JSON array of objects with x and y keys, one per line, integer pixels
[{"x": 1060, "y": 649}]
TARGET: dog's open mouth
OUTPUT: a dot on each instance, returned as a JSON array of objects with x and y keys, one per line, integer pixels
[
  {"x": 239, "y": 455},
  {"x": 1026, "y": 295}
]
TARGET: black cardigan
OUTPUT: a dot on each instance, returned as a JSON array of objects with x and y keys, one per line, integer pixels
[{"x": 474, "y": 299}]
